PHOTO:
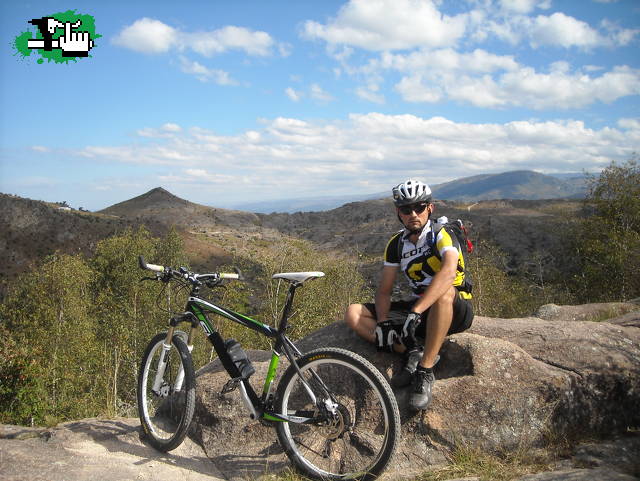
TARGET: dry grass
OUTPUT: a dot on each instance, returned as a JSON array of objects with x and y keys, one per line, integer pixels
[{"x": 467, "y": 461}]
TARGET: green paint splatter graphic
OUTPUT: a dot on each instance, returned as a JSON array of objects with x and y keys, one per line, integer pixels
[{"x": 56, "y": 54}]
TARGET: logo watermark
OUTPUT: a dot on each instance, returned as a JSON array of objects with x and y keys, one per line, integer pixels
[{"x": 60, "y": 37}]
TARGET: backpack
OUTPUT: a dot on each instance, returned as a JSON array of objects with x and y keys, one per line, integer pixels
[{"x": 458, "y": 229}]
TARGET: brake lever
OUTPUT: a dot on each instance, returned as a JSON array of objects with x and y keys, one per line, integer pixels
[{"x": 148, "y": 279}]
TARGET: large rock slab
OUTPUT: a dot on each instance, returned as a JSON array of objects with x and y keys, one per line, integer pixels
[
  {"x": 239, "y": 446},
  {"x": 600, "y": 362},
  {"x": 96, "y": 449},
  {"x": 502, "y": 385},
  {"x": 580, "y": 474},
  {"x": 587, "y": 312}
]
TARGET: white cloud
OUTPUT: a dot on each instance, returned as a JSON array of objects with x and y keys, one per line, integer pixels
[
  {"x": 487, "y": 80},
  {"x": 171, "y": 127},
  {"x": 562, "y": 30},
  {"x": 371, "y": 93},
  {"x": 618, "y": 35},
  {"x": 152, "y": 36},
  {"x": 205, "y": 74},
  {"x": 167, "y": 130},
  {"x": 630, "y": 124},
  {"x": 319, "y": 93},
  {"x": 40, "y": 148},
  {"x": 388, "y": 25},
  {"x": 147, "y": 35},
  {"x": 555, "y": 30},
  {"x": 558, "y": 89},
  {"x": 412, "y": 89},
  {"x": 292, "y": 94},
  {"x": 436, "y": 71},
  {"x": 523, "y": 6},
  {"x": 228, "y": 38},
  {"x": 372, "y": 150}
]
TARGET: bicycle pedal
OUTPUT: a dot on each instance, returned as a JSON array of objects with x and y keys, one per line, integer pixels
[{"x": 231, "y": 385}]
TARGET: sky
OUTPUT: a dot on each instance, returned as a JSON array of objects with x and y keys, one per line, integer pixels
[{"x": 231, "y": 102}]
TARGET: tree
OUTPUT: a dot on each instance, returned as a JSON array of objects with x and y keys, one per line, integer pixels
[
  {"x": 496, "y": 293},
  {"x": 53, "y": 365},
  {"x": 317, "y": 303},
  {"x": 609, "y": 240},
  {"x": 126, "y": 310}
]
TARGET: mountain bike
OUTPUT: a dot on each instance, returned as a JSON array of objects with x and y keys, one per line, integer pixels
[{"x": 335, "y": 415}]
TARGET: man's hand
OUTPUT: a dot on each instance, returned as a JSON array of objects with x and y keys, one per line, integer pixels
[
  {"x": 386, "y": 335},
  {"x": 409, "y": 329}
]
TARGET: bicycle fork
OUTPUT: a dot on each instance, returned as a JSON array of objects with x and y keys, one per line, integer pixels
[{"x": 159, "y": 384}]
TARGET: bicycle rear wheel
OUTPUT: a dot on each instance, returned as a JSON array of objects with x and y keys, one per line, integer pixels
[
  {"x": 166, "y": 411},
  {"x": 357, "y": 422}
]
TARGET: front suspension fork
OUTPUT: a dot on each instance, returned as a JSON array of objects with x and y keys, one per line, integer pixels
[{"x": 158, "y": 381}]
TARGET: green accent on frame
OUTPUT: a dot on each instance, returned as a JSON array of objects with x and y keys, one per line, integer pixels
[
  {"x": 271, "y": 373},
  {"x": 269, "y": 417}
]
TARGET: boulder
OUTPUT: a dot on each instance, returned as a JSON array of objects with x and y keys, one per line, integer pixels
[
  {"x": 578, "y": 474},
  {"x": 502, "y": 385},
  {"x": 600, "y": 363},
  {"x": 239, "y": 446},
  {"x": 586, "y": 312}
]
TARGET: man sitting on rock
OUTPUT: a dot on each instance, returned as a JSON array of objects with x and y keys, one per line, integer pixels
[{"x": 433, "y": 264}]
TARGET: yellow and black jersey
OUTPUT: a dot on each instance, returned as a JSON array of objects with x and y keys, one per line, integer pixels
[{"x": 420, "y": 261}]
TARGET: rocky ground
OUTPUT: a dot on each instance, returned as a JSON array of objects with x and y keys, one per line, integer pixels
[
  {"x": 96, "y": 449},
  {"x": 534, "y": 383}
]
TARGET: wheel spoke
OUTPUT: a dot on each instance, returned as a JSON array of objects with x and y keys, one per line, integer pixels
[
  {"x": 362, "y": 421},
  {"x": 166, "y": 414}
]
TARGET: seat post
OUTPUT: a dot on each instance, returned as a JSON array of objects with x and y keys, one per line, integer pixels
[{"x": 287, "y": 306}]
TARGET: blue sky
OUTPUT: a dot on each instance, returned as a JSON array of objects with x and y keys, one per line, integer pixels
[{"x": 224, "y": 103}]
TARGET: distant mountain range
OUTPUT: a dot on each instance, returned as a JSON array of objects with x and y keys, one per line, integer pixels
[
  {"x": 517, "y": 185},
  {"x": 30, "y": 230}
]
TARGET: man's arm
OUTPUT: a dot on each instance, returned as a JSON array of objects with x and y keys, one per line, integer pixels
[
  {"x": 383, "y": 294},
  {"x": 441, "y": 282}
]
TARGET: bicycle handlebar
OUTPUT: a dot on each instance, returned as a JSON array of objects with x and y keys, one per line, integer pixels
[
  {"x": 190, "y": 276},
  {"x": 150, "y": 267}
]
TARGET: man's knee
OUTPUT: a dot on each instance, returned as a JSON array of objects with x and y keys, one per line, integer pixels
[
  {"x": 448, "y": 297},
  {"x": 353, "y": 315}
]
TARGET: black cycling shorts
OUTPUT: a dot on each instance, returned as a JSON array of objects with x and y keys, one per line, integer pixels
[{"x": 462, "y": 315}]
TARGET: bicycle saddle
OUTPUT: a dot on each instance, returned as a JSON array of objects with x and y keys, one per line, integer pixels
[{"x": 298, "y": 277}]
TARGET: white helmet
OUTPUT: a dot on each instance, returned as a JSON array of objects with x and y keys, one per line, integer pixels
[{"x": 411, "y": 192}]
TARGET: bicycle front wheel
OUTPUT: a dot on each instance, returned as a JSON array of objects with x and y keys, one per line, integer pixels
[
  {"x": 166, "y": 402},
  {"x": 355, "y": 423}
]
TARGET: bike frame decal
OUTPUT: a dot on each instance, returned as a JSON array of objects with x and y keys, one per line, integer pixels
[
  {"x": 271, "y": 373},
  {"x": 204, "y": 322},
  {"x": 234, "y": 316},
  {"x": 270, "y": 417},
  {"x": 284, "y": 419}
]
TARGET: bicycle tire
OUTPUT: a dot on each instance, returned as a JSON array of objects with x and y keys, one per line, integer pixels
[
  {"x": 361, "y": 440},
  {"x": 166, "y": 417}
]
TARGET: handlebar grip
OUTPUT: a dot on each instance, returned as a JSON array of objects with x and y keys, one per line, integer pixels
[
  {"x": 150, "y": 267},
  {"x": 224, "y": 275}
]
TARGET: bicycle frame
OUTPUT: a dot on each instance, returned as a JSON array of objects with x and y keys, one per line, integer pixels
[{"x": 259, "y": 406}]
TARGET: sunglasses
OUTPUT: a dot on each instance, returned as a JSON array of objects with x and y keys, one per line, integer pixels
[{"x": 417, "y": 208}]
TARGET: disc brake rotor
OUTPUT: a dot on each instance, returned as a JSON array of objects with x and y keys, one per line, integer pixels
[{"x": 340, "y": 423}]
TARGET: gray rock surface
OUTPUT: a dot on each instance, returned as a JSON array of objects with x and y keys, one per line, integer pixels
[
  {"x": 586, "y": 312},
  {"x": 95, "y": 449},
  {"x": 504, "y": 384},
  {"x": 598, "y": 474}
]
